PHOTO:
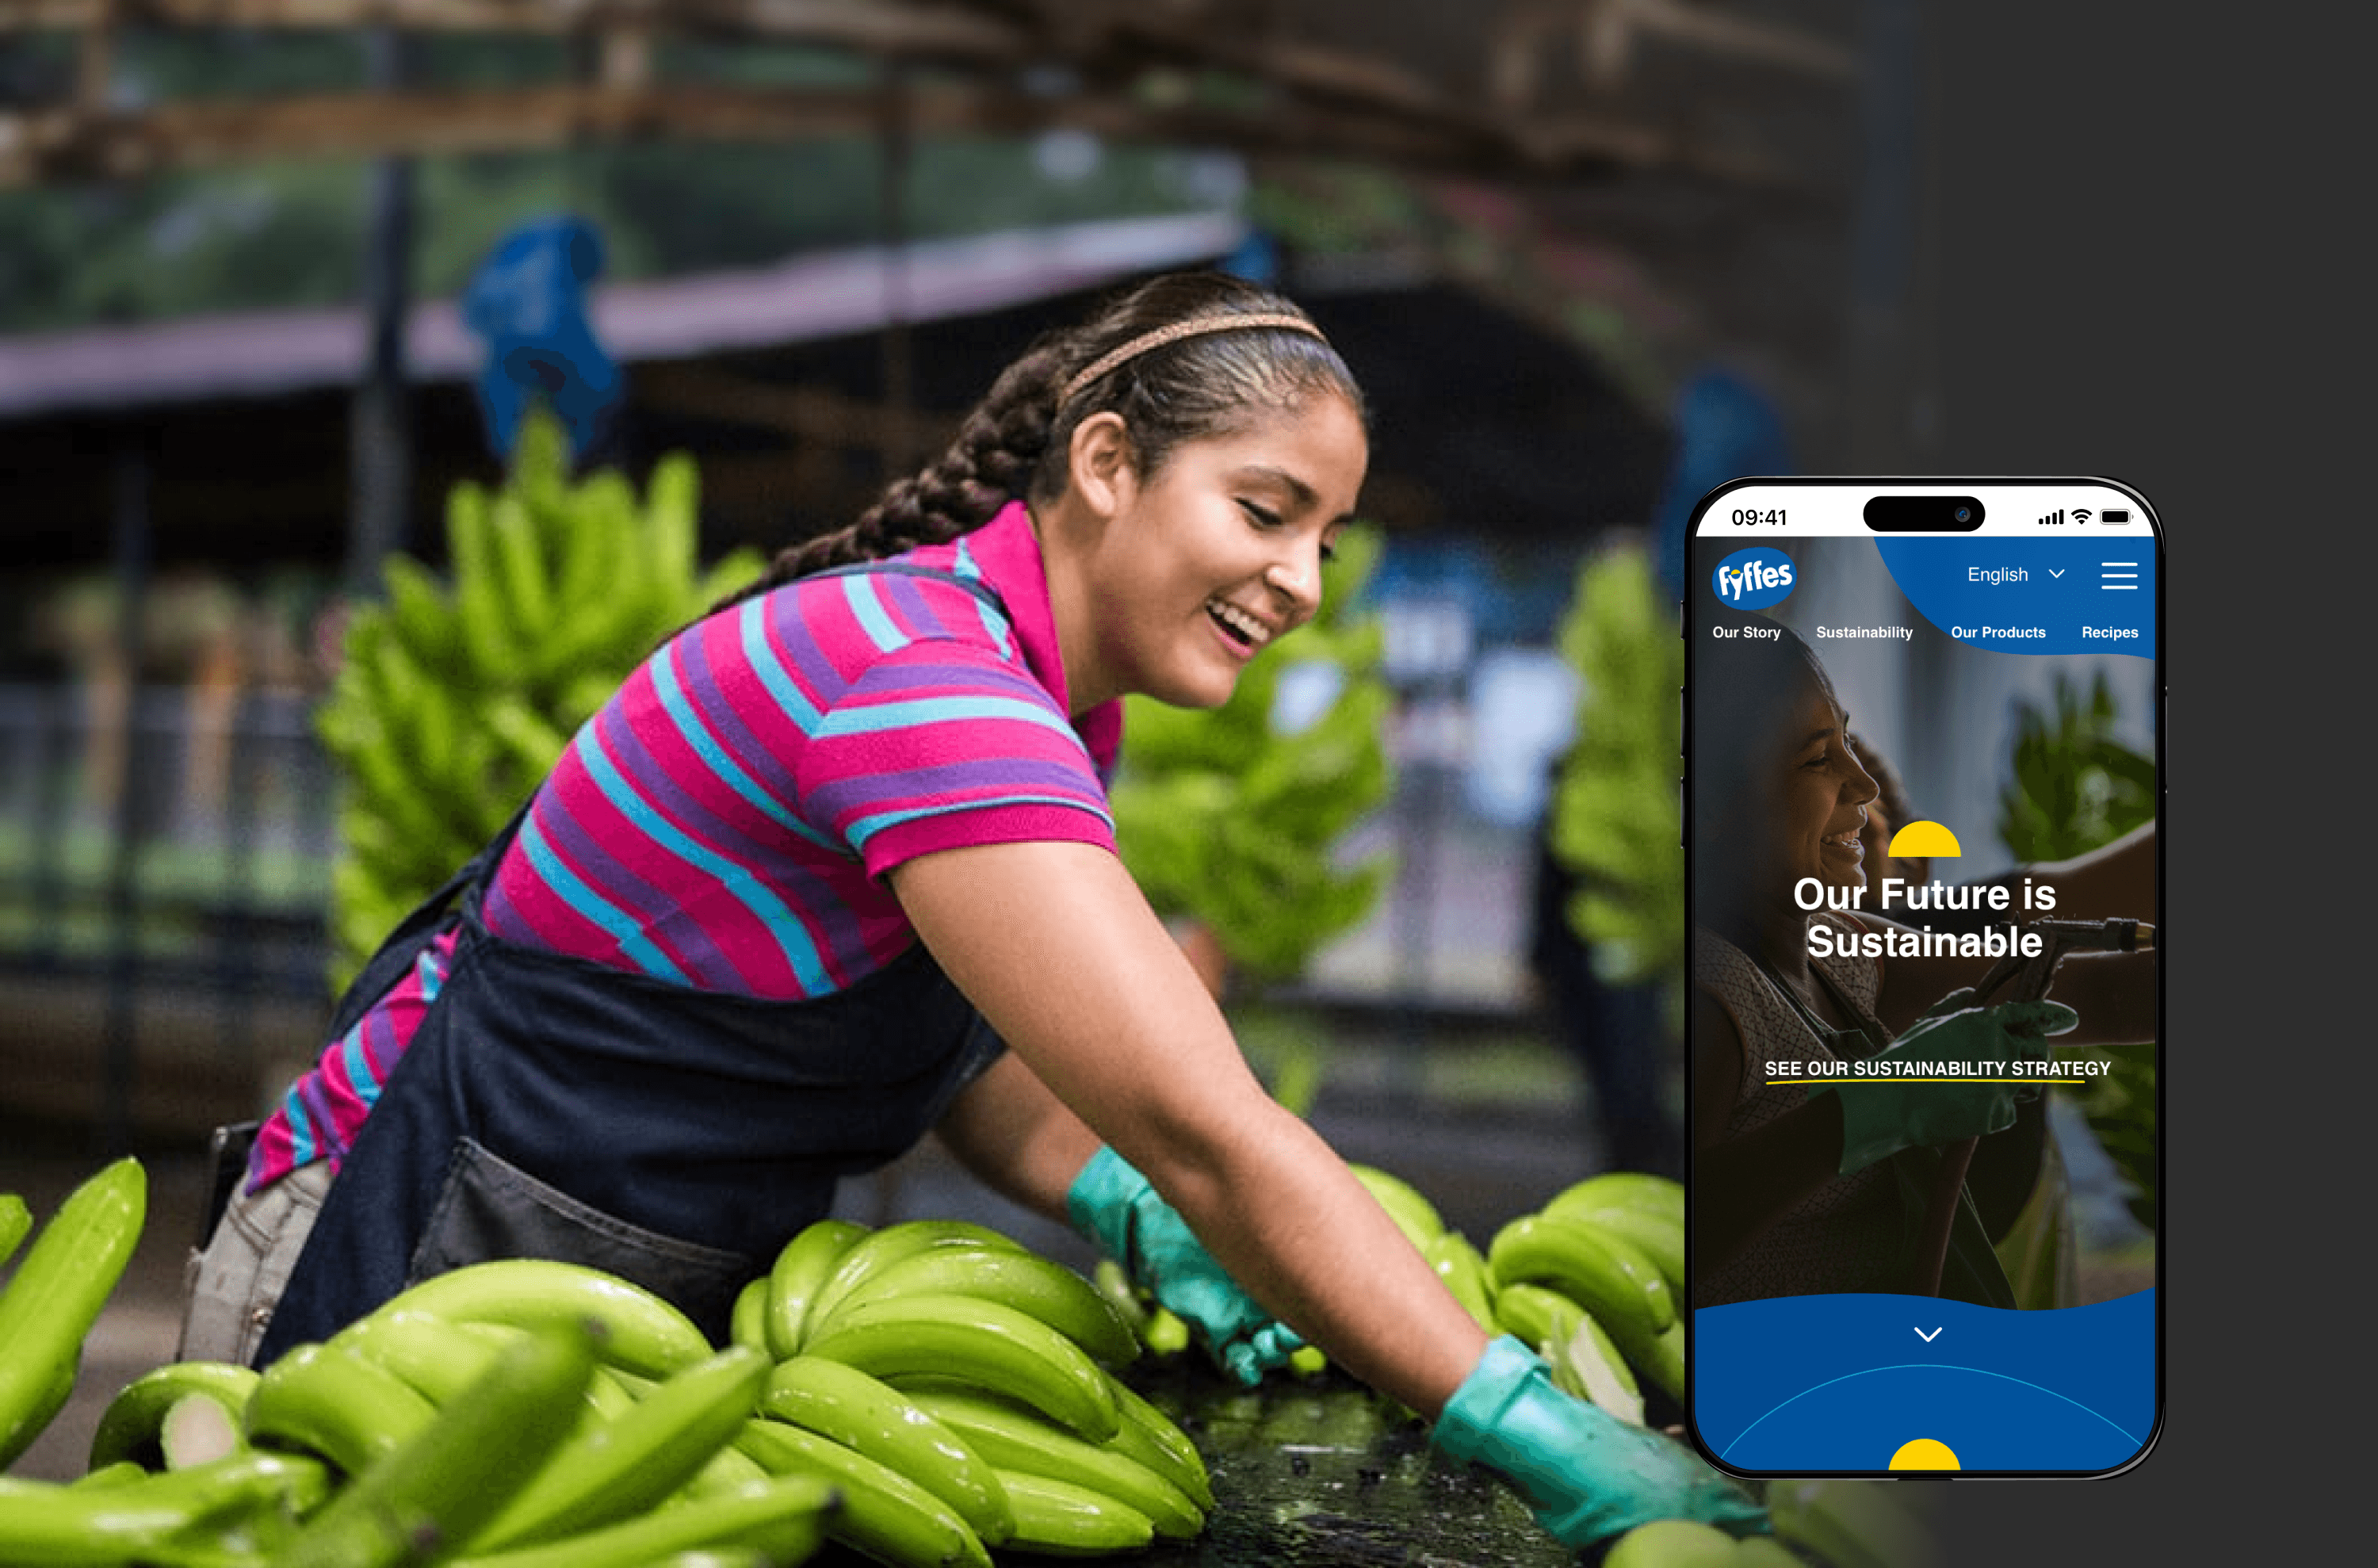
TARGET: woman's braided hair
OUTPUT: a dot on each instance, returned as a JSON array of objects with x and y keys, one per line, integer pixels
[{"x": 1014, "y": 443}]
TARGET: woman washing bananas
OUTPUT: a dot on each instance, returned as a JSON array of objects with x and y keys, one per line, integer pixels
[
  {"x": 1810, "y": 1192},
  {"x": 834, "y": 870}
]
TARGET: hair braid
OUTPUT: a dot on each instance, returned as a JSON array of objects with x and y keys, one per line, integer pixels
[{"x": 987, "y": 463}]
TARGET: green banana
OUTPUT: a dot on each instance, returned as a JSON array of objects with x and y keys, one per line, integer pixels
[
  {"x": 980, "y": 1342},
  {"x": 1849, "y": 1524},
  {"x": 673, "y": 519},
  {"x": 1026, "y": 1281},
  {"x": 1167, "y": 1333},
  {"x": 59, "y": 1526},
  {"x": 121, "y": 1473},
  {"x": 56, "y": 1293},
  {"x": 723, "y": 1472},
  {"x": 1414, "y": 1214},
  {"x": 1595, "y": 1369},
  {"x": 884, "y": 1514},
  {"x": 643, "y": 1333},
  {"x": 1462, "y": 1267},
  {"x": 129, "y": 1427},
  {"x": 336, "y": 1405},
  {"x": 802, "y": 1266},
  {"x": 1109, "y": 1279},
  {"x": 1673, "y": 1543},
  {"x": 1586, "y": 1359},
  {"x": 632, "y": 1463},
  {"x": 870, "y": 1417},
  {"x": 1153, "y": 1438},
  {"x": 1017, "y": 1440},
  {"x": 748, "y": 1324},
  {"x": 1060, "y": 1519},
  {"x": 881, "y": 1248},
  {"x": 1533, "y": 1312},
  {"x": 198, "y": 1429},
  {"x": 1764, "y": 1551},
  {"x": 1656, "y": 1237},
  {"x": 1607, "y": 1275},
  {"x": 432, "y": 1491},
  {"x": 1659, "y": 1356},
  {"x": 1640, "y": 1190},
  {"x": 478, "y": 594},
  {"x": 784, "y": 1518},
  {"x": 533, "y": 745},
  {"x": 438, "y": 1357},
  {"x": 419, "y": 615},
  {"x": 16, "y": 1219}
]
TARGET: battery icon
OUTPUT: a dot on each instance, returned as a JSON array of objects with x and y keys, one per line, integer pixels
[{"x": 2119, "y": 515}]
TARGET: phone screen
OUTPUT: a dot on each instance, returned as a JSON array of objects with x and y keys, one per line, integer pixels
[{"x": 1924, "y": 779}]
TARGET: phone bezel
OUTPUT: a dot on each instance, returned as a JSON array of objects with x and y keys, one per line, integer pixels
[{"x": 1860, "y": 488}]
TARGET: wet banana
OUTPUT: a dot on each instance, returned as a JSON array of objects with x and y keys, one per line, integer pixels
[
  {"x": 979, "y": 1341},
  {"x": 56, "y": 1293},
  {"x": 873, "y": 1419}
]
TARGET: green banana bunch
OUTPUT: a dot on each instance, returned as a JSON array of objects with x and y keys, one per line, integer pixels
[
  {"x": 524, "y": 1413},
  {"x": 953, "y": 1384},
  {"x": 642, "y": 1333},
  {"x": 56, "y": 1293},
  {"x": 456, "y": 696},
  {"x": 1222, "y": 817},
  {"x": 1613, "y": 808},
  {"x": 1612, "y": 1246},
  {"x": 434, "y": 1490}
]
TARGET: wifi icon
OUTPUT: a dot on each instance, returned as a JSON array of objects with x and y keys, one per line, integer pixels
[{"x": 2080, "y": 514}]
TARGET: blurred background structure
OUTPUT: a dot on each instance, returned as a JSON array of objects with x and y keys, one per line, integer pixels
[{"x": 237, "y": 367}]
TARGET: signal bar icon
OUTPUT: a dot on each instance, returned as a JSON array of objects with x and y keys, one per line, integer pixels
[{"x": 2054, "y": 519}]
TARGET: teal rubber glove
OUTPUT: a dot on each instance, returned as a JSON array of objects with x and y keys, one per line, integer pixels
[
  {"x": 1586, "y": 1474},
  {"x": 1881, "y": 1119},
  {"x": 1115, "y": 1206}
]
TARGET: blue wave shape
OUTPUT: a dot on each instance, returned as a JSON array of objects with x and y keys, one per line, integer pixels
[
  {"x": 1809, "y": 1383},
  {"x": 2031, "y": 596}
]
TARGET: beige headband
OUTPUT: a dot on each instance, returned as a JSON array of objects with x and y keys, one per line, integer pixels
[{"x": 1196, "y": 326}]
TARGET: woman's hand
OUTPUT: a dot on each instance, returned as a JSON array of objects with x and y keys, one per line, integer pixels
[
  {"x": 1022, "y": 1141},
  {"x": 1053, "y": 941},
  {"x": 1116, "y": 1207}
]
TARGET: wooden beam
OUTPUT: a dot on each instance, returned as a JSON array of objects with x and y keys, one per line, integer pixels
[
  {"x": 68, "y": 143},
  {"x": 919, "y": 26},
  {"x": 806, "y": 413}
]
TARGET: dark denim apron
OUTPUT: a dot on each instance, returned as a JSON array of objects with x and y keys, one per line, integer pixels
[{"x": 553, "y": 1107}]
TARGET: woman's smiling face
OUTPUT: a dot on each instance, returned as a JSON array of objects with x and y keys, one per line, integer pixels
[
  {"x": 1820, "y": 799},
  {"x": 1217, "y": 554}
]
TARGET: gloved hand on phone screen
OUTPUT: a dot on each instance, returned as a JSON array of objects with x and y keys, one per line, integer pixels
[{"x": 1879, "y": 1119}]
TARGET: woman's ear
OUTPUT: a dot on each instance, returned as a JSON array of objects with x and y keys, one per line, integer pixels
[{"x": 1099, "y": 463}]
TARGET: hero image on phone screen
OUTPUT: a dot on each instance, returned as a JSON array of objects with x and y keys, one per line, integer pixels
[{"x": 1923, "y": 777}]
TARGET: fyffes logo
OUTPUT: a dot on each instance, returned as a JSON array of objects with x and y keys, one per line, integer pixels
[{"x": 1753, "y": 579}]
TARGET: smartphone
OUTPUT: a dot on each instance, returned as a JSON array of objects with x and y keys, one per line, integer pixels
[{"x": 1923, "y": 790}]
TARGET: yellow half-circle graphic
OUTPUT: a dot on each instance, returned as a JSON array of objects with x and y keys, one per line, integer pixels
[
  {"x": 1925, "y": 838},
  {"x": 1925, "y": 1454}
]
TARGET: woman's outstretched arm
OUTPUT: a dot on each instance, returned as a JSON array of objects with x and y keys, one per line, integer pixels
[{"x": 1055, "y": 944}]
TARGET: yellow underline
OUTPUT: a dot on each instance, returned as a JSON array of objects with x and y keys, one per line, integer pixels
[{"x": 1776, "y": 1081}]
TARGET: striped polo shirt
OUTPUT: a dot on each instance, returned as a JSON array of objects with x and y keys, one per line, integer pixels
[{"x": 724, "y": 822}]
